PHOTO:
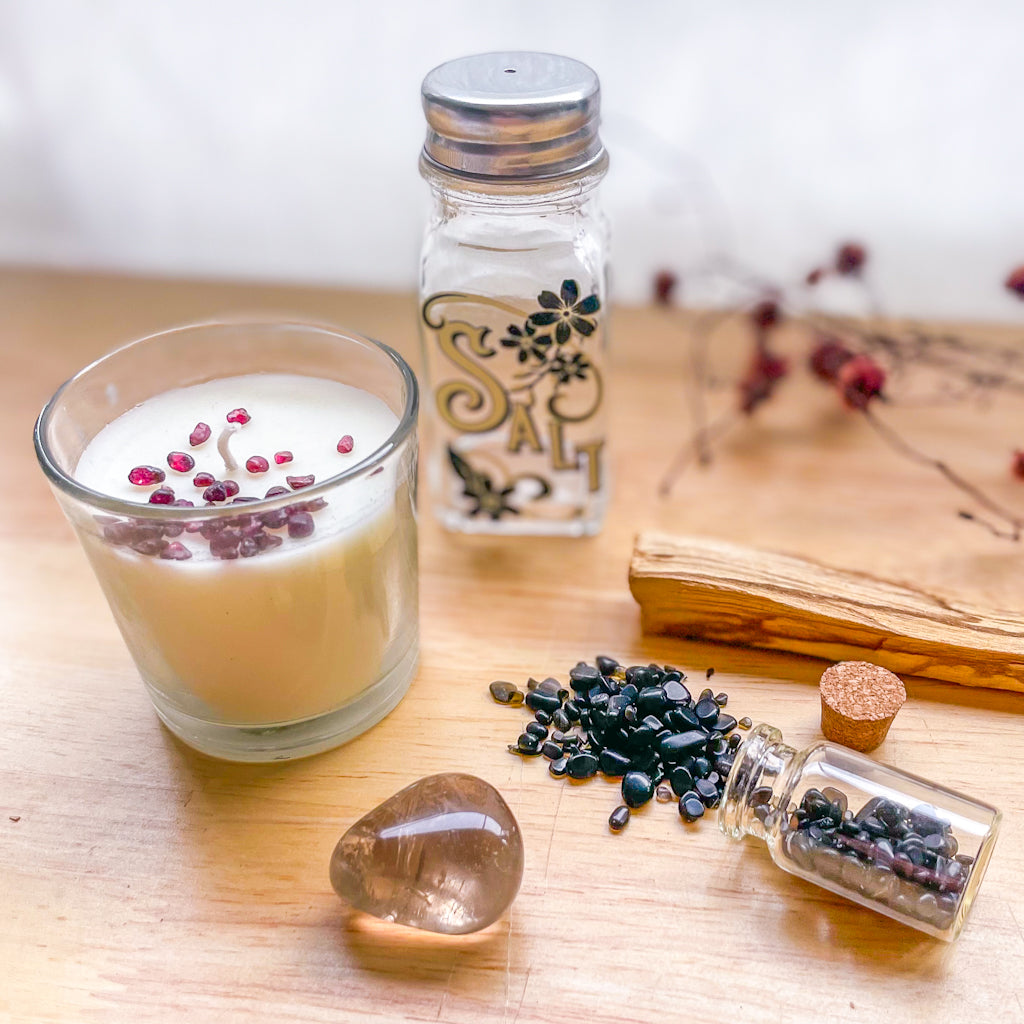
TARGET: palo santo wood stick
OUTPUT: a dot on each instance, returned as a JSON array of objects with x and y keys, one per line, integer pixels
[{"x": 711, "y": 590}]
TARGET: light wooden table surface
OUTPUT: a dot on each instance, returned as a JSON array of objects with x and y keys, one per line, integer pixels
[{"x": 142, "y": 882}]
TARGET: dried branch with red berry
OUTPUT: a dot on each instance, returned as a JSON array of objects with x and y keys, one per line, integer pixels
[{"x": 857, "y": 359}]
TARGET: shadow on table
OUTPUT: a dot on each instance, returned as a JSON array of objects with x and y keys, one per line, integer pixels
[{"x": 838, "y": 931}]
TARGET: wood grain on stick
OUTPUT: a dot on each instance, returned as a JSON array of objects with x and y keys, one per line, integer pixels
[{"x": 712, "y": 590}]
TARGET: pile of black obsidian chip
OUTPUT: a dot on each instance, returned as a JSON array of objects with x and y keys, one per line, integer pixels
[{"x": 639, "y": 723}]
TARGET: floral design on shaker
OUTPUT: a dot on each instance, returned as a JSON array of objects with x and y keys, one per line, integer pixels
[
  {"x": 490, "y": 500},
  {"x": 548, "y": 346}
]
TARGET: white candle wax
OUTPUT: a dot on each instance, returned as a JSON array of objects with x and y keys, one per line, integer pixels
[{"x": 296, "y": 630}]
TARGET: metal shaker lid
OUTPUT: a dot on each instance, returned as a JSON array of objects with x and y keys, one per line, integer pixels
[{"x": 519, "y": 116}]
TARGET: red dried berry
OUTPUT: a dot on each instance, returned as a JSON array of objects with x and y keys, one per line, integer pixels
[
  {"x": 238, "y": 416},
  {"x": 859, "y": 380},
  {"x": 215, "y": 492},
  {"x": 162, "y": 496},
  {"x": 850, "y": 258},
  {"x": 276, "y": 490},
  {"x": 181, "y": 462},
  {"x": 766, "y": 314},
  {"x": 664, "y": 286},
  {"x": 300, "y": 525},
  {"x": 1015, "y": 282},
  {"x": 298, "y": 482},
  {"x": 282, "y": 457},
  {"x": 176, "y": 551},
  {"x": 815, "y": 276},
  {"x": 231, "y": 487},
  {"x": 346, "y": 444},
  {"x": 1016, "y": 466},
  {"x": 257, "y": 464},
  {"x": 827, "y": 357},
  {"x": 200, "y": 434},
  {"x": 146, "y": 476},
  {"x": 765, "y": 372},
  {"x": 203, "y": 479}
]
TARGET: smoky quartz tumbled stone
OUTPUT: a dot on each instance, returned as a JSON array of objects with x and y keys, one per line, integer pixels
[{"x": 445, "y": 854}]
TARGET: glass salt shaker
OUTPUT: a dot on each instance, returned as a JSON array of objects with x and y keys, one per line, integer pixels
[
  {"x": 513, "y": 295},
  {"x": 891, "y": 841}
]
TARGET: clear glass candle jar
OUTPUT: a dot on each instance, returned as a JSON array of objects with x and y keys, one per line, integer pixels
[
  {"x": 274, "y": 612},
  {"x": 514, "y": 295},
  {"x": 888, "y": 840}
]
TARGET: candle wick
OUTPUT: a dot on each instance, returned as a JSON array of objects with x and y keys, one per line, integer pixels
[{"x": 224, "y": 447}]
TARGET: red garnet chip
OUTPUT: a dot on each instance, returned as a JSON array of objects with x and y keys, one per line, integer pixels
[
  {"x": 176, "y": 551},
  {"x": 200, "y": 434},
  {"x": 181, "y": 462},
  {"x": 231, "y": 487},
  {"x": 282, "y": 457},
  {"x": 146, "y": 476},
  {"x": 346, "y": 444},
  {"x": 298, "y": 482},
  {"x": 300, "y": 524},
  {"x": 203, "y": 479},
  {"x": 238, "y": 416},
  {"x": 215, "y": 492},
  {"x": 162, "y": 496},
  {"x": 257, "y": 464}
]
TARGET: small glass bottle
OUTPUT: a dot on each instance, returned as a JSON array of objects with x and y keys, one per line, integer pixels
[
  {"x": 513, "y": 295},
  {"x": 879, "y": 836}
]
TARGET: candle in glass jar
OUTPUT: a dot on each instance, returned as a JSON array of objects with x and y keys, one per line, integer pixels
[{"x": 275, "y": 616}]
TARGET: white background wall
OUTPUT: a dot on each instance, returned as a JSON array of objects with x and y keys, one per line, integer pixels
[{"x": 271, "y": 139}]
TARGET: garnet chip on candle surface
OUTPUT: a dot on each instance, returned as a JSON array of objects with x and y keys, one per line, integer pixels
[
  {"x": 243, "y": 536},
  {"x": 181, "y": 462},
  {"x": 146, "y": 476},
  {"x": 200, "y": 433},
  {"x": 215, "y": 492}
]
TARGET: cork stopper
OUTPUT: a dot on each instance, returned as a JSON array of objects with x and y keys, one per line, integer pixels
[{"x": 858, "y": 703}]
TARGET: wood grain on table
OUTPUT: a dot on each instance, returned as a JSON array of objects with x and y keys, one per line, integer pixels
[{"x": 140, "y": 881}]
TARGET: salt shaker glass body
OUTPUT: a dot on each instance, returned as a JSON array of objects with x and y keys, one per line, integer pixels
[
  {"x": 891, "y": 841},
  {"x": 514, "y": 297}
]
